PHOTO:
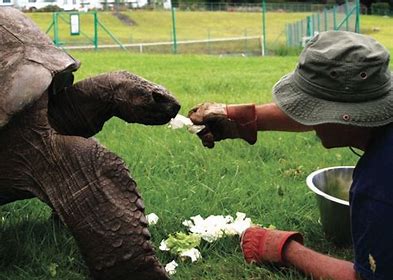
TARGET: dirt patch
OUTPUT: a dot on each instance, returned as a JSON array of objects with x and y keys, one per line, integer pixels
[{"x": 125, "y": 19}]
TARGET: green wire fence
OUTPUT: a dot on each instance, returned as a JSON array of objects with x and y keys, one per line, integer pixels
[
  {"x": 61, "y": 26},
  {"x": 340, "y": 17},
  {"x": 263, "y": 31}
]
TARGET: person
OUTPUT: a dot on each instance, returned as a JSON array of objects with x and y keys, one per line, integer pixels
[{"x": 341, "y": 89}]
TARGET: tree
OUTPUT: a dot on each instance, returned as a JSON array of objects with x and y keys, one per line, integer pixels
[{"x": 367, "y": 4}]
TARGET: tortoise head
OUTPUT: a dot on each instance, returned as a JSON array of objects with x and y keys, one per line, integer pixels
[{"x": 137, "y": 100}]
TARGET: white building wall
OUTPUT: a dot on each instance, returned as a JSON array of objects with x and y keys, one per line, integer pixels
[
  {"x": 39, "y": 4},
  {"x": 92, "y": 4},
  {"x": 7, "y": 3},
  {"x": 67, "y": 5}
]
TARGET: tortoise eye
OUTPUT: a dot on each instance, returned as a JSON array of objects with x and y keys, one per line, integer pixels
[
  {"x": 333, "y": 74},
  {"x": 160, "y": 97},
  {"x": 363, "y": 75}
]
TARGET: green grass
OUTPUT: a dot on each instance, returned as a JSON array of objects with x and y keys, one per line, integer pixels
[
  {"x": 155, "y": 26},
  {"x": 178, "y": 178},
  {"x": 380, "y": 28}
]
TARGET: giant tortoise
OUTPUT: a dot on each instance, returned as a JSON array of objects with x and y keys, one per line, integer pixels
[{"x": 46, "y": 151}]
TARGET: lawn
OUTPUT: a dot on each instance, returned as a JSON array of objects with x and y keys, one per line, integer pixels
[
  {"x": 156, "y": 26},
  {"x": 179, "y": 178},
  {"x": 379, "y": 28}
]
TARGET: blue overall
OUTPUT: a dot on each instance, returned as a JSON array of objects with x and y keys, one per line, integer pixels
[{"x": 371, "y": 204}]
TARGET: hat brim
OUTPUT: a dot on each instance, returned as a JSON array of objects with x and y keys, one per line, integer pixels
[{"x": 309, "y": 110}]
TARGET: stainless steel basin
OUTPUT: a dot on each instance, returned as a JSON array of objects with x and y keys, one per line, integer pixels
[{"x": 331, "y": 186}]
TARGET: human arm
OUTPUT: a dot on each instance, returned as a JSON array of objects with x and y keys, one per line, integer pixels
[
  {"x": 261, "y": 245},
  {"x": 241, "y": 121},
  {"x": 271, "y": 118}
]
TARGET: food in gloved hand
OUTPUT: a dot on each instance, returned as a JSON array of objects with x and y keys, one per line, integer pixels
[
  {"x": 225, "y": 122},
  {"x": 180, "y": 121}
]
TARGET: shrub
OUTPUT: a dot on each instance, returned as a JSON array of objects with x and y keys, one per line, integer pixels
[
  {"x": 50, "y": 9},
  {"x": 381, "y": 8}
]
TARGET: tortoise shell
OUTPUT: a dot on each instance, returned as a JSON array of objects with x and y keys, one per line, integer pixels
[{"x": 29, "y": 63}]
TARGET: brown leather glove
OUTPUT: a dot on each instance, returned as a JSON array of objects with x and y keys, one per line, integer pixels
[{"x": 225, "y": 122}]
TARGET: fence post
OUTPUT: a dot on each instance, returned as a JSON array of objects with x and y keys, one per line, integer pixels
[
  {"x": 264, "y": 27},
  {"x": 55, "y": 29},
  {"x": 325, "y": 19},
  {"x": 313, "y": 21},
  {"x": 346, "y": 14},
  {"x": 334, "y": 17},
  {"x": 357, "y": 23},
  {"x": 309, "y": 27},
  {"x": 174, "y": 29},
  {"x": 95, "y": 39}
]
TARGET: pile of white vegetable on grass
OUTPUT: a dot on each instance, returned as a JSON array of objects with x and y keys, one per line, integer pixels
[{"x": 184, "y": 244}]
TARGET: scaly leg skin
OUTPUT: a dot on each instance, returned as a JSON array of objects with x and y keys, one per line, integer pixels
[
  {"x": 96, "y": 198},
  {"x": 88, "y": 187}
]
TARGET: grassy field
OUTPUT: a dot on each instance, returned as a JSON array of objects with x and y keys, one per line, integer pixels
[
  {"x": 156, "y": 26},
  {"x": 178, "y": 178}
]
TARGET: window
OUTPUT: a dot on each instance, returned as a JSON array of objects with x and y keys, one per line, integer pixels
[{"x": 6, "y": 1}]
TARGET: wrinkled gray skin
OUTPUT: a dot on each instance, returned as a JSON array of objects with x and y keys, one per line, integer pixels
[{"x": 46, "y": 151}]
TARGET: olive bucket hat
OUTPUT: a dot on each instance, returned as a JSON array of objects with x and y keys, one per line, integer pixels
[{"x": 341, "y": 77}]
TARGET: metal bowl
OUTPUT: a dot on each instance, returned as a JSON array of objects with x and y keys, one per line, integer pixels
[{"x": 331, "y": 186}]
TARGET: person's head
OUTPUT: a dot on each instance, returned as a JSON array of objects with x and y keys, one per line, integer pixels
[
  {"x": 342, "y": 84},
  {"x": 334, "y": 135}
]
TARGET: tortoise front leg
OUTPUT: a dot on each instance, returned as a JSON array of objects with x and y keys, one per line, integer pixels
[{"x": 92, "y": 192}]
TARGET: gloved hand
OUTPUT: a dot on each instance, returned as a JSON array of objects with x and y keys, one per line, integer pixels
[{"x": 225, "y": 122}]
